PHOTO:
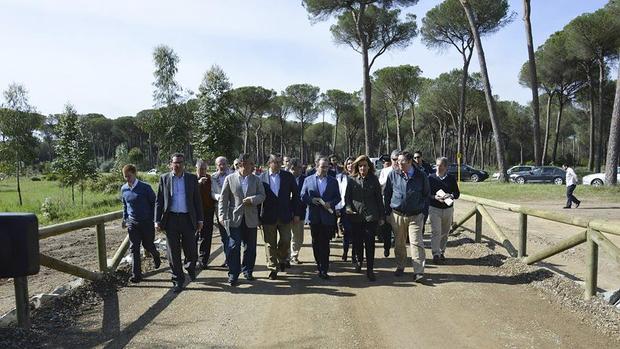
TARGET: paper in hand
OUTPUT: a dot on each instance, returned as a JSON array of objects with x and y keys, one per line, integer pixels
[
  {"x": 448, "y": 201},
  {"x": 325, "y": 206}
]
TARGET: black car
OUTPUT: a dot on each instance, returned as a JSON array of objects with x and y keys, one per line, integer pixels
[
  {"x": 540, "y": 174},
  {"x": 468, "y": 173}
]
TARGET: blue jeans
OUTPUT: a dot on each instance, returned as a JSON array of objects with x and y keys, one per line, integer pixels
[{"x": 246, "y": 237}]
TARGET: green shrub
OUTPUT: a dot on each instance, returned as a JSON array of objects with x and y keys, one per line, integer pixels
[
  {"x": 50, "y": 209},
  {"x": 108, "y": 183}
]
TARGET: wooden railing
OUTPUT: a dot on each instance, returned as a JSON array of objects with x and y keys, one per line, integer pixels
[
  {"x": 592, "y": 235},
  {"x": 102, "y": 256}
]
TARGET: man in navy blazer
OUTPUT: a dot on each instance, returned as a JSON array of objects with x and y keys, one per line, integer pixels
[
  {"x": 320, "y": 192},
  {"x": 277, "y": 213}
]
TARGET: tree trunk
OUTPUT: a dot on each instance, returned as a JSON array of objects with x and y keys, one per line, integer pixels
[
  {"x": 412, "y": 123},
  {"x": 335, "y": 134},
  {"x": 19, "y": 188},
  {"x": 398, "y": 143},
  {"x": 462, "y": 98},
  {"x": 499, "y": 144},
  {"x": 547, "y": 125},
  {"x": 387, "y": 133},
  {"x": 533, "y": 82},
  {"x": 245, "y": 137},
  {"x": 613, "y": 144},
  {"x": 367, "y": 99},
  {"x": 558, "y": 123},
  {"x": 599, "y": 147},
  {"x": 73, "y": 193},
  {"x": 591, "y": 130},
  {"x": 301, "y": 144}
]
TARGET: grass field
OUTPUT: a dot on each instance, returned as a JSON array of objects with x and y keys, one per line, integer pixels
[
  {"x": 533, "y": 192},
  {"x": 35, "y": 193}
]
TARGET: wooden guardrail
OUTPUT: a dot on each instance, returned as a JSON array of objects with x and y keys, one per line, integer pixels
[
  {"x": 592, "y": 235},
  {"x": 97, "y": 221}
]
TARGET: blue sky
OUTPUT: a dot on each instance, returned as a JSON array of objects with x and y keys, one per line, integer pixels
[{"x": 98, "y": 54}]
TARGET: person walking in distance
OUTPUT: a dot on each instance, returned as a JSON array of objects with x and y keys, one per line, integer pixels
[
  {"x": 238, "y": 210},
  {"x": 571, "y": 184},
  {"x": 364, "y": 205},
  {"x": 278, "y": 213},
  {"x": 204, "y": 237},
  {"x": 444, "y": 190},
  {"x": 404, "y": 198},
  {"x": 320, "y": 192},
  {"x": 297, "y": 228},
  {"x": 138, "y": 203},
  {"x": 178, "y": 212}
]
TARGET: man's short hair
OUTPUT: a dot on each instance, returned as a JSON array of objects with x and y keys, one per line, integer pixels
[
  {"x": 221, "y": 158},
  {"x": 408, "y": 156},
  {"x": 274, "y": 157},
  {"x": 245, "y": 157},
  {"x": 443, "y": 159},
  {"x": 321, "y": 158},
  {"x": 200, "y": 163},
  {"x": 294, "y": 162},
  {"x": 395, "y": 153},
  {"x": 129, "y": 168},
  {"x": 177, "y": 155},
  {"x": 417, "y": 152},
  {"x": 333, "y": 156}
]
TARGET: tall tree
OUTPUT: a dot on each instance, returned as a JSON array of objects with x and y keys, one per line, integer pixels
[
  {"x": 595, "y": 36},
  {"x": 446, "y": 25},
  {"x": 613, "y": 144},
  {"x": 499, "y": 143},
  {"x": 337, "y": 101},
  {"x": 303, "y": 99},
  {"x": 370, "y": 27},
  {"x": 400, "y": 85},
  {"x": 527, "y": 11},
  {"x": 18, "y": 121},
  {"x": 250, "y": 102},
  {"x": 72, "y": 163},
  {"x": 280, "y": 109}
]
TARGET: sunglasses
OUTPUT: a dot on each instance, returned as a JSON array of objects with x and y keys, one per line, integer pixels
[{"x": 417, "y": 157}]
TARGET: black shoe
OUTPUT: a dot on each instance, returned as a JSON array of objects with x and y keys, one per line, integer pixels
[
  {"x": 436, "y": 260},
  {"x": 156, "y": 261},
  {"x": 273, "y": 275},
  {"x": 577, "y": 204},
  {"x": 418, "y": 277},
  {"x": 295, "y": 261},
  {"x": 386, "y": 252},
  {"x": 249, "y": 277},
  {"x": 566, "y": 207},
  {"x": 192, "y": 275},
  {"x": 204, "y": 265},
  {"x": 232, "y": 281},
  {"x": 135, "y": 279},
  {"x": 323, "y": 275},
  {"x": 177, "y": 288},
  {"x": 345, "y": 257},
  {"x": 442, "y": 257},
  {"x": 371, "y": 276},
  {"x": 399, "y": 272},
  {"x": 358, "y": 267},
  {"x": 282, "y": 266},
  {"x": 288, "y": 264}
]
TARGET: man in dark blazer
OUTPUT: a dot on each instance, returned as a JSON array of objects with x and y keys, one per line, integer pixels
[
  {"x": 320, "y": 192},
  {"x": 277, "y": 213},
  {"x": 178, "y": 212},
  {"x": 297, "y": 228}
]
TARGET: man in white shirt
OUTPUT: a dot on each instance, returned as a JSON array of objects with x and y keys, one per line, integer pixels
[{"x": 571, "y": 184}]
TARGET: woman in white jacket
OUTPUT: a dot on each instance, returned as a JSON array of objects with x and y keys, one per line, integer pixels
[{"x": 345, "y": 223}]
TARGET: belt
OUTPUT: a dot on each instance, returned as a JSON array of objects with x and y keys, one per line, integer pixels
[
  {"x": 404, "y": 214},
  {"x": 178, "y": 213}
]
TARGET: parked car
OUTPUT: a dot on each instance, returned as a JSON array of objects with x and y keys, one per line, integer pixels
[
  {"x": 597, "y": 179},
  {"x": 540, "y": 174},
  {"x": 513, "y": 169},
  {"x": 152, "y": 172},
  {"x": 468, "y": 173}
]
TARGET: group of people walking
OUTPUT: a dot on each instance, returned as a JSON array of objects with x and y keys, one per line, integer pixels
[{"x": 280, "y": 200}]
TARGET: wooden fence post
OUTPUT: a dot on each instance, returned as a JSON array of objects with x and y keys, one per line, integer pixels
[
  {"x": 102, "y": 254},
  {"x": 522, "y": 235},
  {"x": 478, "y": 231},
  {"x": 22, "y": 304},
  {"x": 591, "y": 267}
]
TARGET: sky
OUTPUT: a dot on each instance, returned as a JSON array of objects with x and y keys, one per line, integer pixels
[{"x": 97, "y": 55}]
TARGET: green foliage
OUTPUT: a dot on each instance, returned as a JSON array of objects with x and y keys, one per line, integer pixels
[
  {"x": 121, "y": 158},
  {"x": 136, "y": 157},
  {"x": 108, "y": 183},
  {"x": 50, "y": 209}
]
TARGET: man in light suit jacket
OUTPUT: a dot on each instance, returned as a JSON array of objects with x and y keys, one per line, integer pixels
[
  {"x": 238, "y": 211},
  {"x": 178, "y": 211},
  {"x": 320, "y": 192},
  {"x": 277, "y": 213}
]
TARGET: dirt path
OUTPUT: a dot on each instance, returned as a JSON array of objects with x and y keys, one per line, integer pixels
[
  {"x": 465, "y": 303},
  {"x": 543, "y": 233}
]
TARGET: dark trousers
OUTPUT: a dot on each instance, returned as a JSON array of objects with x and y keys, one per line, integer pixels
[
  {"x": 204, "y": 237},
  {"x": 140, "y": 233},
  {"x": 570, "y": 198},
  {"x": 364, "y": 239},
  {"x": 238, "y": 237},
  {"x": 223, "y": 236},
  {"x": 321, "y": 234},
  {"x": 347, "y": 233},
  {"x": 180, "y": 233},
  {"x": 385, "y": 231}
]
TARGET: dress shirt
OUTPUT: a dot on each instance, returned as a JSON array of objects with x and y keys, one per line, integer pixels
[
  {"x": 274, "y": 182},
  {"x": 179, "y": 202},
  {"x": 571, "y": 177},
  {"x": 322, "y": 184},
  {"x": 244, "y": 184}
]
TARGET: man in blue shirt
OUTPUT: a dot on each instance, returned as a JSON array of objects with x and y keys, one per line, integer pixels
[
  {"x": 138, "y": 207},
  {"x": 405, "y": 197}
]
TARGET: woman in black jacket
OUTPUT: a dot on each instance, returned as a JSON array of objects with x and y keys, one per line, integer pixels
[{"x": 364, "y": 205}]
